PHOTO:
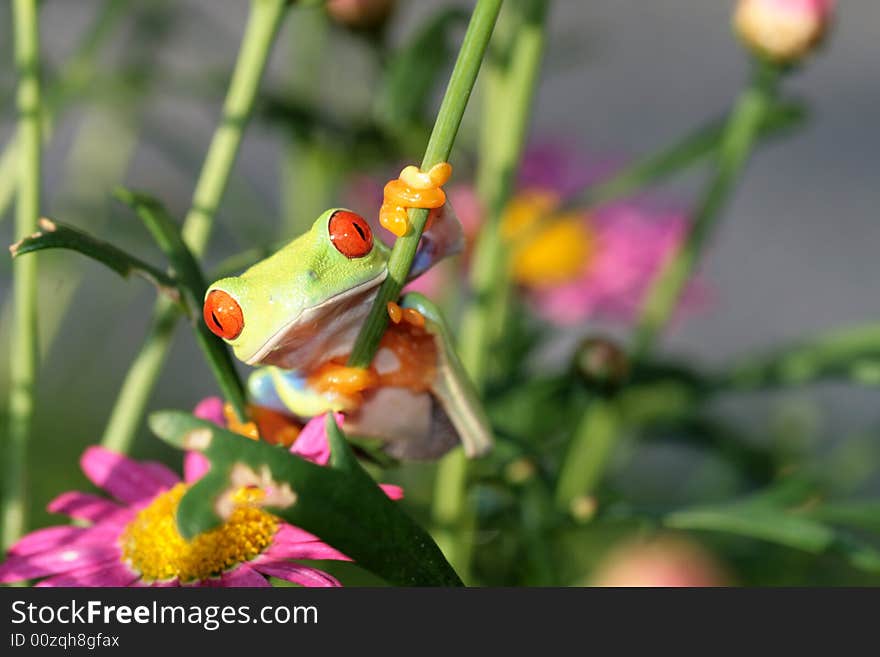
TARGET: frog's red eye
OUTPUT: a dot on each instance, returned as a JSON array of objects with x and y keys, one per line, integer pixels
[
  {"x": 223, "y": 315},
  {"x": 350, "y": 234}
]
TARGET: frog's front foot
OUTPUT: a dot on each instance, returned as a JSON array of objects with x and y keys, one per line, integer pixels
[
  {"x": 342, "y": 383},
  {"x": 414, "y": 188},
  {"x": 408, "y": 315}
]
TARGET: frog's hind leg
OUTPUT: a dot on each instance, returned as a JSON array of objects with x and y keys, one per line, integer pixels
[{"x": 452, "y": 387}]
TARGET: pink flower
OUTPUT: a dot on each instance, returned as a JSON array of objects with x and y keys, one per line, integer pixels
[
  {"x": 661, "y": 562},
  {"x": 132, "y": 539},
  {"x": 580, "y": 266},
  {"x": 629, "y": 245},
  {"x": 783, "y": 30}
]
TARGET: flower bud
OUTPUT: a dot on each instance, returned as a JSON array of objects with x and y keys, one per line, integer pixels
[
  {"x": 360, "y": 14},
  {"x": 783, "y": 31},
  {"x": 602, "y": 363}
]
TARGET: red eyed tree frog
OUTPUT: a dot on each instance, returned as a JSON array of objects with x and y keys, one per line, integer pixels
[{"x": 297, "y": 314}]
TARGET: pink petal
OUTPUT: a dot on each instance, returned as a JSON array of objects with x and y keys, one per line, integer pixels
[
  {"x": 292, "y": 572},
  {"x": 162, "y": 473},
  {"x": 313, "y": 550},
  {"x": 195, "y": 465},
  {"x": 84, "y": 506},
  {"x": 312, "y": 443},
  {"x": 62, "y": 559},
  {"x": 46, "y": 539},
  {"x": 125, "y": 479},
  {"x": 211, "y": 409},
  {"x": 110, "y": 574},
  {"x": 243, "y": 576},
  {"x": 290, "y": 534},
  {"x": 392, "y": 491}
]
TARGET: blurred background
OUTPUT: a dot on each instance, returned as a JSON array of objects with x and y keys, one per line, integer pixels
[{"x": 795, "y": 253}]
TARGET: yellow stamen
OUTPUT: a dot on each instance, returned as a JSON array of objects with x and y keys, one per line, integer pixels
[
  {"x": 152, "y": 546},
  {"x": 557, "y": 253},
  {"x": 548, "y": 248}
]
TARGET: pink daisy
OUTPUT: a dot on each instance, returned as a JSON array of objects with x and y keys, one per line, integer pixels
[{"x": 132, "y": 539}]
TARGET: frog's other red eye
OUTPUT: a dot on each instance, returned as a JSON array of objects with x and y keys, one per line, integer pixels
[
  {"x": 223, "y": 315},
  {"x": 350, "y": 234}
]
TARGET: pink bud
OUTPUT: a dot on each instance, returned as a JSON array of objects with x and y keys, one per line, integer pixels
[
  {"x": 784, "y": 31},
  {"x": 360, "y": 14}
]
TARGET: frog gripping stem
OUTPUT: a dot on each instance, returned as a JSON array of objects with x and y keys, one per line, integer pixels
[{"x": 414, "y": 188}]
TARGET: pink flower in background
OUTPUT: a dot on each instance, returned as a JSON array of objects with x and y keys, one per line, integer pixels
[
  {"x": 660, "y": 562},
  {"x": 630, "y": 245},
  {"x": 586, "y": 265}
]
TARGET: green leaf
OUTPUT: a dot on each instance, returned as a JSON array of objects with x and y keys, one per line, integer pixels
[
  {"x": 339, "y": 503},
  {"x": 861, "y": 515},
  {"x": 415, "y": 70},
  {"x": 798, "y": 530},
  {"x": 167, "y": 234},
  {"x": 756, "y": 521},
  {"x": 54, "y": 235}
]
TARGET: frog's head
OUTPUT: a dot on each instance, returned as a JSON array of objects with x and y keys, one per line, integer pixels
[{"x": 300, "y": 290}]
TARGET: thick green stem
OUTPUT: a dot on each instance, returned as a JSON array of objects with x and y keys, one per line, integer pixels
[
  {"x": 588, "y": 454},
  {"x": 496, "y": 179},
  {"x": 739, "y": 139},
  {"x": 23, "y": 357},
  {"x": 464, "y": 75},
  {"x": 265, "y": 19},
  {"x": 511, "y": 81}
]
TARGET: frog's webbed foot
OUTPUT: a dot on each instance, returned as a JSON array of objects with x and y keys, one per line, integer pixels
[
  {"x": 414, "y": 188},
  {"x": 263, "y": 423},
  {"x": 342, "y": 384}
]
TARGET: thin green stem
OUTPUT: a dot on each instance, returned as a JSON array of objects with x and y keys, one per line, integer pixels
[
  {"x": 23, "y": 356},
  {"x": 593, "y": 443},
  {"x": 739, "y": 139},
  {"x": 511, "y": 80},
  {"x": 683, "y": 154},
  {"x": 263, "y": 24},
  {"x": 464, "y": 75},
  {"x": 74, "y": 77}
]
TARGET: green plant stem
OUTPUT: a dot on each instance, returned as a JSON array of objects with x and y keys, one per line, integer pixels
[
  {"x": 74, "y": 77},
  {"x": 685, "y": 153},
  {"x": 738, "y": 141},
  {"x": 496, "y": 178},
  {"x": 23, "y": 356},
  {"x": 593, "y": 443},
  {"x": 263, "y": 23},
  {"x": 851, "y": 353},
  {"x": 510, "y": 81},
  {"x": 461, "y": 83},
  {"x": 588, "y": 452}
]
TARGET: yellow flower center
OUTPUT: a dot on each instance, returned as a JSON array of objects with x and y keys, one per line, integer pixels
[
  {"x": 152, "y": 546},
  {"x": 548, "y": 249}
]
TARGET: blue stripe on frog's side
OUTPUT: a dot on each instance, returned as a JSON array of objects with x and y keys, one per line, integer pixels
[{"x": 287, "y": 391}]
